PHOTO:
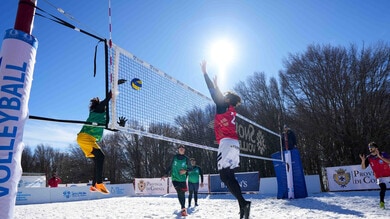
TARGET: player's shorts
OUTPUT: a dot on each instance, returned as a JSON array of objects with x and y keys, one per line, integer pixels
[
  {"x": 180, "y": 186},
  {"x": 383, "y": 180},
  {"x": 228, "y": 154},
  {"x": 87, "y": 143}
]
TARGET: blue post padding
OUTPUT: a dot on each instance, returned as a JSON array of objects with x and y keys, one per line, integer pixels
[
  {"x": 281, "y": 176},
  {"x": 22, "y": 36},
  {"x": 300, "y": 190}
]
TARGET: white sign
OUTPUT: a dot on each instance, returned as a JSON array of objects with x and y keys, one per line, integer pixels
[
  {"x": 154, "y": 186},
  {"x": 344, "y": 178},
  {"x": 67, "y": 194}
]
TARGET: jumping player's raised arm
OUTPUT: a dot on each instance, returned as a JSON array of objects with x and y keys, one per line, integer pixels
[
  {"x": 216, "y": 94},
  {"x": 102, "y": 105}
]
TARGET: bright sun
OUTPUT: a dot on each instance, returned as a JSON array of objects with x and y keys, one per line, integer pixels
[
  {"x": 222, "y": 52},
  {"x": 222, "y": 55}
]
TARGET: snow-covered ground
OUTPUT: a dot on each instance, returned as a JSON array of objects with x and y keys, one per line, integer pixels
[{"x": 364, "y": 204}]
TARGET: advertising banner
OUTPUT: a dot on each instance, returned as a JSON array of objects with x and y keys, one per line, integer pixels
[
  {"x": 67, "y": 194},
  {"x": 345, "y": 178},
  {"x": 151, "y": 186},
  {"x": 249, "y": 182},
  {"x": 33, "y": 195},
  {"x": 251, "y": 138}
]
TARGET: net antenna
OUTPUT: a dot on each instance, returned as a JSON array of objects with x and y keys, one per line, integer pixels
[
  {"x": 160, "y": 107},
  {"x": 109, "y": 68}
]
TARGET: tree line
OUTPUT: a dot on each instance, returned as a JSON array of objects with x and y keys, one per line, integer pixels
[{"x": 335, "y": 98}]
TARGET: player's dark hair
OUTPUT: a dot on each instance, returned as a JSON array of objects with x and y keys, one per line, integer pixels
[
  {"x": 372, "y": 144},
  {"x": 234, "y": 99},
  {"x": 94, "y": 102}
]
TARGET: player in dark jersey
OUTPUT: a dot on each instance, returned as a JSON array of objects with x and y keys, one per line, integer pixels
[{"x": 228, "y": 156}]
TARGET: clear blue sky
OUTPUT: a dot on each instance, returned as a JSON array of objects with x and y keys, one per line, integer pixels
[{"x": 174, "y": 36}]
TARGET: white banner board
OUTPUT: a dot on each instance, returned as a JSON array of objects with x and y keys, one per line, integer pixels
[
  {"x": 151, "y": 186},
  {"x": 345, "y": 178},
  {"x": 68, "y": 194}
]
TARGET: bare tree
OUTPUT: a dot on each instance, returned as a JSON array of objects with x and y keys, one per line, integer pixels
[
  {"x": 196, "y": 127},
  {"x": 115, "y": 158},
  {"x": 262, "y": 103},
  {"x": 340, "y": 100},
  {"x": 76, "y": 167},
  {"x": 28, "y": 160}
]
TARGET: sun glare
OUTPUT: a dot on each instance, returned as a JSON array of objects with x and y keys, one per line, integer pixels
[
  {"x": 222, "y": 55},
  {"x": 222, "y": 52}
]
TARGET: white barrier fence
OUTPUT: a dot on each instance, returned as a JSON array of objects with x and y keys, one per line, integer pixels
[
  {"x": 145, "y": 186},
  {"x": 340, "y": 178},
  {"x": 67, "y": 194},
  {"x": 32, "y": 181},
  {"x": 268, "y": 186}
]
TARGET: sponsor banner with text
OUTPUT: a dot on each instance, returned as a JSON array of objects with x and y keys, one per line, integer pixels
[
  {"x": 151, "y": 186},
  {"x": 345, "y": 178},
  {"x": 249, "y": 182},
  {"x": 38, "y": 195}
]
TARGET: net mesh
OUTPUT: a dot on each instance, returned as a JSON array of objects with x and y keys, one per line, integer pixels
[
  {"x": 160, "y": 99},
  {"x": 167, "y": 109}
]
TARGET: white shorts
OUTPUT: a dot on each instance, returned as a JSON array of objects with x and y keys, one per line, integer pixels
[
  {"x": 383, "y": 180},
  {"x": 228, "y": 154}
]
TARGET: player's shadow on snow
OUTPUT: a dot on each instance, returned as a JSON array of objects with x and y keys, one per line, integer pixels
[
  {"x": 306, "y": 203},
  {"x": 314, "y": 204}
]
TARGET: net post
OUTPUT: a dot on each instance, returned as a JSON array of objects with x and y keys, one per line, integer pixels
[
  {"x": 18, "y": 56},
  {"x": 25, "y": 16},
  {"x": 106, "y": 80}
]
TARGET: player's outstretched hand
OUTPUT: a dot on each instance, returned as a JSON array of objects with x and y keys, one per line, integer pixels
[
  {"x": 122, "y": 121},
  {"x": 121, "y": 81}
]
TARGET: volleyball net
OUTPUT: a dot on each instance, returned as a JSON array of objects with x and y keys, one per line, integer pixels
[
  {"x": 155, "y": 104},
  {"x": 158, "y": 106}
]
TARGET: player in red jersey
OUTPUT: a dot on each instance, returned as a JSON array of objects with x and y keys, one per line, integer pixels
[
  {"x": 228, "y": 157},
  {"x": 380, "y": 165}
]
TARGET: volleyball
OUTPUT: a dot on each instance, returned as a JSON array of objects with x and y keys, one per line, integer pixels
[{"x": 136, "y": 84}]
